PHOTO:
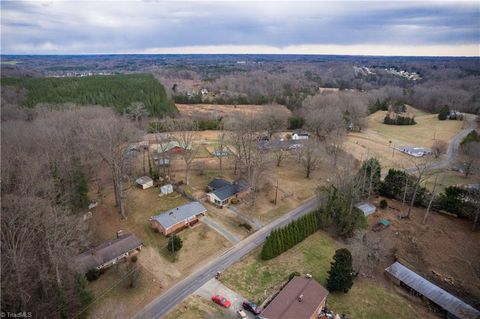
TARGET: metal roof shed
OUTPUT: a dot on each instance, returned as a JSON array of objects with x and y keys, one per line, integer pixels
[
  {"x": 366, "y": 208},
  {"x": 454, "y": 306}
]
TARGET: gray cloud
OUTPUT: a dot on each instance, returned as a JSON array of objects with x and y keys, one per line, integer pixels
[{"x": 134, "y": 26}]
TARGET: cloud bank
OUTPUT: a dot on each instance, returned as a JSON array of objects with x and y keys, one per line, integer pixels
[{"x": 361, "y": 27}]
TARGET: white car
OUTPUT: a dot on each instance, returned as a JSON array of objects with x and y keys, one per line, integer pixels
[{"x": 242, "y": 314}]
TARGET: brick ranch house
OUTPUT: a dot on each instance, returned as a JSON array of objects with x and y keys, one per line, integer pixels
[
  {"x": 222, "y": 191},
  {"x": 300, "y": 298},
  {"x": 178, "y": 218},
  {"x": 108, "y": 253}
]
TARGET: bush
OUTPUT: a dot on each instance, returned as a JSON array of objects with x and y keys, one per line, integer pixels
[
  {"x": 93, "y": 274},
  {"x": 175, "y": 243},
  {"x": 383, "y": 204},
  {"x": 234, "y": 201},
  {"x": 247, "y": 226},
  {"x": 399, "y": 120},
  {"x": 85, "y": 296}
]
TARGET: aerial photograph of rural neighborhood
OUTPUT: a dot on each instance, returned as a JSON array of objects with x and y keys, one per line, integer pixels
[{"x": 240, "y": 159}]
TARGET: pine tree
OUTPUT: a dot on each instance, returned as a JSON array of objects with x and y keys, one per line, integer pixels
[{"x": 340, "y": 275}]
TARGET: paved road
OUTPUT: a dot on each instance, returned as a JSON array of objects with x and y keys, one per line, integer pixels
[
  {"x": 165, "y": 302},
  {"x": 451, "y": 153}
]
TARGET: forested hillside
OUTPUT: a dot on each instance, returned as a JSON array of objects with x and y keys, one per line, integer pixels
[{"x": 117, "y": 91}]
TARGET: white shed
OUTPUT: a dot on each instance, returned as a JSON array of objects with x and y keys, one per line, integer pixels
[
  {"x": 144, "y": 182},
  {"x": 166, "y": 189},
  {"x": 366, "y": 208}
]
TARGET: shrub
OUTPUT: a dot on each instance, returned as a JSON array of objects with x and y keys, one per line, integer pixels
[
  {"x": 383, "y": 204},
  {"x": 247, "y": 226},
  {"x": 86, "y": 297},
  {"x": 234, "y": 201},
  {"x": 93, "y": 274},
  {"x": 175, "y": 243}
]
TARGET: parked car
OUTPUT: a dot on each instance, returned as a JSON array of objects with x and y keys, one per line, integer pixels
[
  {"x": 241, "y": 314},
  {"x": 250, "y": 306},
  {"x": 222, "y": 301}
]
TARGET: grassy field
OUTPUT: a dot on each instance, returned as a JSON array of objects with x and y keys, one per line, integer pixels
[
  {"x": 449, "y": 178},
  {"x": 257, "y": 279},
  {"x": 378, "y": 139}
]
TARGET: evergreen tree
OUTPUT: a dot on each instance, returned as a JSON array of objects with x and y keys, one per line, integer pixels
[
  {"x": 341, "y": 274},
  {"x": 80, "y": 189},
  {"x": 442, "y": 116},
  {"x": 175, "y": 243}
]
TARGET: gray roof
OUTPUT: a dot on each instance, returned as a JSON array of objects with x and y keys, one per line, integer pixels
[
  {"x": 179, "y": 214},
  {"x": 366, "y": 208},
  {"x": 217, "y": 183},
  {"x": 144, "y": 180},
  {"x": 436, "y": 294},
  {"x": 106, "y": 252},
  {"x": 226, "y": 191}
]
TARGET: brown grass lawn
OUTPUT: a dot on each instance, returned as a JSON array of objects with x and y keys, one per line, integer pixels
[
  {"x": 256, "y": 279},
  {"x": 375, "y": 140},
  {"x": 200, "y": 243},
  {"x": 196, "y": 307},
  {"x": 218, "y": 110}
]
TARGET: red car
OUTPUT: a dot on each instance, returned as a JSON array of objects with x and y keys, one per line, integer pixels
[{"x": 222, "y": 301}]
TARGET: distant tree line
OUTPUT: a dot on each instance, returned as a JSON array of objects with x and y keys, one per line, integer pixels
[
  {"x": 282, "y": 239},
  {"x": 117, "y": 91}
]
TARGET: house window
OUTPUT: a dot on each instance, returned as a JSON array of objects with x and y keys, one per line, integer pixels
[{"x": 218, "y": 202}]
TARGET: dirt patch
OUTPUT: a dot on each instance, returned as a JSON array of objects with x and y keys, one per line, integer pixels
[
  {"x": 196, "y": 307},
  {"x": 445, "y": 250},
  {"x": 222, "y": 110}
]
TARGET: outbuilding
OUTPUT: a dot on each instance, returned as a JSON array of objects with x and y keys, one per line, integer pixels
[
  {"x": 366, "y": 208},
  {"x": 452, "y": 307},
  {"x": 144, "y": 182}
]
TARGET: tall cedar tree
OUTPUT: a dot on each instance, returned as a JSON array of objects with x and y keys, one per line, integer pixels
[{"x": 340, "y": 275}]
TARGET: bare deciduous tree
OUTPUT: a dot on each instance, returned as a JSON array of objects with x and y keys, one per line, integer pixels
[
  {"x": 311, "y": 151},
  {"x": 185, "y": 133},
  {"x": 439, "y": 147}
]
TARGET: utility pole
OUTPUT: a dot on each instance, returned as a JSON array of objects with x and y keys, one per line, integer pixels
[{"x": 276, "y": 192}]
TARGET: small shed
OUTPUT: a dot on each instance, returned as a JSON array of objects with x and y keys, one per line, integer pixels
[
  {"x": 166, "y": 189},
  {"x": 366, "y": 208},
  {"x": 144, "y": 182}
]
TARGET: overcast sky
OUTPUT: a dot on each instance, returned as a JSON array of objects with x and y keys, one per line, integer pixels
[{"x": 340, "y": 27}]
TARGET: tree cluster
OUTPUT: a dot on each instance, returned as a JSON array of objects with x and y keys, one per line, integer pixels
[
  {"x": 399, "y": 120},
  {"x": 116, "y": 91},
  {"x": 400, "y": 185},
  {"x": 282, "y": 239}
]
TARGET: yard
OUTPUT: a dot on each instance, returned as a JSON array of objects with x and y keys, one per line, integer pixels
[
  {"x": 158, "y": 269},
  {"x": 257, "y": 279}
]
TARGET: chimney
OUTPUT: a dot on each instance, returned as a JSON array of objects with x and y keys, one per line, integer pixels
[
  {"x": 119, "y": 233},
  {"x": 300, "y": 298}
]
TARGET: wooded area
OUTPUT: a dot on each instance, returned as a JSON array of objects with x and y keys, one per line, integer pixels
[{"x": 117, "y": 91}]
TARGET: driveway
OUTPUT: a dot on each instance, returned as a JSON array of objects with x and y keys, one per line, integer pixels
[
  {"x": 220, "y": 229},
  {"x": 215, "y": 287}
]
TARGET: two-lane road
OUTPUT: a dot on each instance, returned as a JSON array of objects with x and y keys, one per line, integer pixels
[{"x": 173, "y": 296}]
